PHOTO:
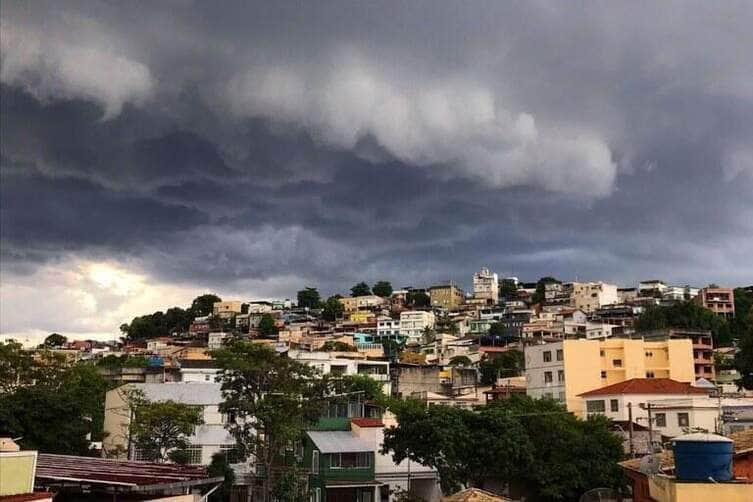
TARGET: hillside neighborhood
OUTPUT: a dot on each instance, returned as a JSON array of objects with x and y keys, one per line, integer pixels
[{"x": 406, "y": 394}]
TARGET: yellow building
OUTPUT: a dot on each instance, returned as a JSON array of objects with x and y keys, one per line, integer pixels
[
  {"x": 446, "y": 296},
  {"x": 563, "y": 370},
  {"x": 361, "y": 316},
  {"x": 668, "y": 489}
]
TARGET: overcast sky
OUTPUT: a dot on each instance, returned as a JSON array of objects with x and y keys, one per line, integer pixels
[{"x": 154, "y": 151}]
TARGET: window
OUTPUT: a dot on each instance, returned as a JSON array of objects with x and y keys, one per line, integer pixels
[
  {"x": 315, "y": 461},
  {"x": 231, "y": 453},
  {"x": 560, "y": 375},
  {"x": 359, "y": 460},
  {"x": 617, "y": 363},
  {"x": 603, "y": 374},
  {"x": 595, "y": 406},
  {"x": 193, "y": 454},
  {"x": 207, "y": 377},
  {"x": 661, "y": 419},
  {"x": 601, "y": 353},
  {"x": 547, "y": 356},
  {"x": 561, "y": 397},
  {"x": 316, "y": 496},
  {"x": 683, "y": 420},
  {"x": 649, "y": 374},
  {"x": 547, "y": 377},
  {"x": 548, "y": 395},
  {"x": 649, "y": 354},
  {"x": 614, "y": 405},
  {"x": 560, "y": 355}
]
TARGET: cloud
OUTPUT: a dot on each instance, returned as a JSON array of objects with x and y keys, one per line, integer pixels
[
  {"x": 447, "y": 121},
  {"x": 83, "y": 64},
  {"x": 738, "y": 162}
]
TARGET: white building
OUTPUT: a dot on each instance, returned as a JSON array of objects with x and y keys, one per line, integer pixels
[
  {"x": 589, "y": 296},
  {"x": 207, "y": 439},
  {"x": 486, "y": 285},
  {"x": 388, "y": 327},
  {"x": 216, "y": 339},
  {"x": 676, "y": 408},
  {"x": 414, "y": 322},
  {"x": 329, "y": 364}
]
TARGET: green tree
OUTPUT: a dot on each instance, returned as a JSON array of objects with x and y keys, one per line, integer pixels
[
  {"x": 743, "y": 308},
  {"x": 460, "y": 361},
  {"x": 382, "y": 288},
  {"x": 534, "y": 446},
  {"x": 507, "y": 364},
  {"x": 360, "y": 289},
  {"x": 688, "y": 315},
  {"x": 744, "y": 356},
  {"x": 507, "y": 289},
  {"x": 272, "y": 399},
  {"x": 203, "y": 305},
  {"x": 333, "y": 309},
  {"x": 417, "y": 299},
  {"x": 267, "y": 327},
  {"x": 538, "y": 296},
  {"x": 370, "y": 389},
  {"x": 309, "y": 298},
  {"x": 48, "y": 391},
  {"x": 160, "y": 429},
  {"x": 16, "y": 366},
  {"x": 55, "y": 340}
]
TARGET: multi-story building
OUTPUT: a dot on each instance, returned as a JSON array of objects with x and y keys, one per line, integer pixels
[
  {"x": 589, "y": 296},
  {"x": 227, "y": 309},
  {"x": 563, "y": 370},
  {"x": 720, "y": 301},
  {"x": 703, "y": 348},
  {"x": 652, "y": 287},
  {"x": 486, "y": 286},
  {"x": 209, "y": 438},
  {"x": 366, "y": 302},
  {"x": 388, "y": 327},
  {"x": 329, "y": 364},
  {"x": 413, "y": 323},
  {"x": 446, "y": 296}
]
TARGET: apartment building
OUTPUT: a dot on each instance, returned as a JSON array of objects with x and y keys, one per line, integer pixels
[
  {"x": 720, "y": 301},
  {"x": 563, "y": 370},
  {"x": 589, "y": 296},
  {"x": 414, "y": 322},
  {"x": 703, "y": 348},
  {"x": 388, "y": 327},
  {"x": 367, "y": 302},
  {"x": 446, "y": 296},
  {"x": 331, "y": 364},
  {"x": 486, "y": 286},
  {"x": 207, "y": 439}
]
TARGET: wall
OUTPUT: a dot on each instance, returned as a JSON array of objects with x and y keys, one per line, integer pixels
[
  {"x": 17, "y": 470},
  {"x": 664, "y": 489}
]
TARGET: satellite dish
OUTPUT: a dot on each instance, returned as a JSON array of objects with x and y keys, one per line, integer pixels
[
  {"x": 650, "y": 464},
  {"x": 601, "y": 495}
]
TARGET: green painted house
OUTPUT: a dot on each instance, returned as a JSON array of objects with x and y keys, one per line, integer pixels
[{"x": 341, "y": 467}]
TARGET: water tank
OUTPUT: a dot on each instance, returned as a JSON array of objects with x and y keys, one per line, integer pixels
[
  {"x": 700, "y": 457},
  {"x": 155, "y": 361}
]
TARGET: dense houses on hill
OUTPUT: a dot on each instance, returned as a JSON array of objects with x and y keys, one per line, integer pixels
[{"x": 579, "y": 343}]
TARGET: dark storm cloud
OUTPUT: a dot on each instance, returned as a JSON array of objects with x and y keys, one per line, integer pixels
[{"x": 415, "y": 142}]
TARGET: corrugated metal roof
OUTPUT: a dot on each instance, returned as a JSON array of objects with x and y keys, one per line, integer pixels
[
  {"x": 114, "y": 472},
  {"x": 184, "y": 392},
  {"x": 338, "y": 442}
]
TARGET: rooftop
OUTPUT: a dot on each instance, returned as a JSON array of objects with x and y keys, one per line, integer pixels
[
  {"x": 338, "y": 441},
  {"x": 646, "y": 386}
]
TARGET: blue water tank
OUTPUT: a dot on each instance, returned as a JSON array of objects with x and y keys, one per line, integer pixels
[
  {"x": 155, "y": 361},
  {"x": 701, "y": 457}
]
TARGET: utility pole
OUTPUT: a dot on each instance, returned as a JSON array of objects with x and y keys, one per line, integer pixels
[
  {"x": 630, "y": 429},
  {"x": 650, "y": 429}
]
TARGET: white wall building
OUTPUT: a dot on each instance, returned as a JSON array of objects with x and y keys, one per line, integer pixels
[
  {"x": 388, "y": 327},
  {"x": 486, "y": 285},
  {"x": 589, "y": 296},
  {"x": 207, "y": 439},
  {"x": 216, "y": 339},
  {"x": 414, "y": 322},
  {"x": 329, "y": 364}
]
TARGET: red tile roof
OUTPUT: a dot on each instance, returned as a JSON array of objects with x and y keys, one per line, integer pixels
[
  {"x": 367, "y": 422},
  {"x": 645, "y": 386},
  {"x": 28, "y": 497}
]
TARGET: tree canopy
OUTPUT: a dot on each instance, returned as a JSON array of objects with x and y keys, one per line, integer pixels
[
  {"x": 744, "y": 357},
  {"x": 332, "y": 309},
  {"x": 536, "y": 447},
  {"x": 688, "y": 315},
  {"x": 55, "y": 340},
  {"x": 267, "y": 326},
  {"x": 460, "y": 361},
  {"x": 382, "y": 288},
  {"x": 203, "y": 305},
  {"x": 538, "y": 296},
  {"x": 360, "y": 289},
  {"x": 504, "y": 365},
  {"x": 309, "y": 298},
  {"x": 507, "y": 289},
  {"x": 417, "y": 299}
]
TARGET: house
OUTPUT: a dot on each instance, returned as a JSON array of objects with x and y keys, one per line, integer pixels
[
  {"x": 227, "y": 309},
  {"x": 208, "y": 439},
  {"x": 341, "y": 364},
  {"x": 486, "y": 286},
  {"x": 673, "y": 407},
  {"x": 216, "y": 339},
  {"x": 589, "y": 296},
  {"x": 446, "y": 296},
  {"x": 720, "y": 301},
  {"x": 388, "y": 328},
  {"x": 413, "y": 379},
  {"x": 367, "y": 302},
  {"x": 341, "y": 467},
  {"x": 413, "y": 323},
  {"x": 563, "y": 370}
]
